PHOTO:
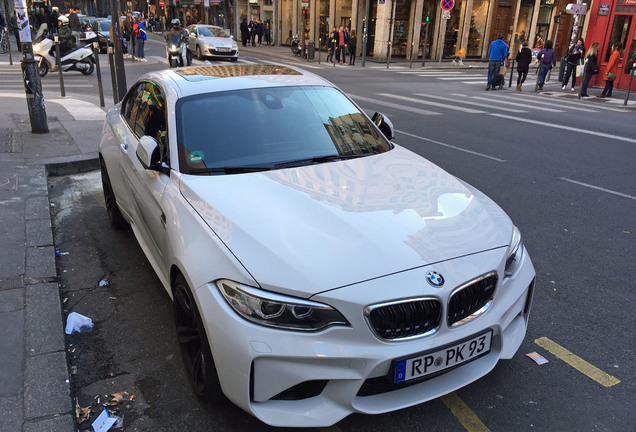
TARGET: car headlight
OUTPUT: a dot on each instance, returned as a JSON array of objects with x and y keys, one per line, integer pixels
[
  {"x": 234, "y": 46},
  {"x": 515, "y": 252},
  {"x": 173, "y": 48},
  {"x": 275, "y": 310}
]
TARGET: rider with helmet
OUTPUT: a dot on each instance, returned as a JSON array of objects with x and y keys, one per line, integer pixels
[
  {"x": 65, "y": 36},
  {"x": 177, "y": 30}
]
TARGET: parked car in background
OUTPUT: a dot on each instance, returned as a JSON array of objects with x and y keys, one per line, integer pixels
[
  {"x": 211, "y": 41},
  {"x": 316, "y": 268},
  {"x": 102, "y": 28}
]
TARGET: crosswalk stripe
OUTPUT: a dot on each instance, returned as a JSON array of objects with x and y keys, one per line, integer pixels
[
  {"x": 540, "y": 100},
  {"x": 524, "y": 105},
  {"x": 471, "y": 103},
  {"x": 436, "y": 104},
  {"x": 378, "y": 102},
  {"x": 568, "y": 128}
]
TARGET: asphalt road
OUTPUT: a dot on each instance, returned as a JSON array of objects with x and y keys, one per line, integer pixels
[{"x": 561, "y": 168}]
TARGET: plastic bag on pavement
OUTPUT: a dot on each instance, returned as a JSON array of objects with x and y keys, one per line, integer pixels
[{"x": 76, "y": 323}]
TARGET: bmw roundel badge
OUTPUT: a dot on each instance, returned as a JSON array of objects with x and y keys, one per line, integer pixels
[{"x": 435, "y": 279}]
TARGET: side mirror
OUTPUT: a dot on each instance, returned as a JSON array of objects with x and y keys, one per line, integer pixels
[
  {"x": 384, "y": 124},
  {"x": 148, "y": 152}
]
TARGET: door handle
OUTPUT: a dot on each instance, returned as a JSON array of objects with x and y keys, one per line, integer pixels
[
  {"x": 163, "y": 219},
  {"x": 124, "y": 147}
]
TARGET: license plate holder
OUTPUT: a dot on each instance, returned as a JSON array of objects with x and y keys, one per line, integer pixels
[{"x": 442, "y": 360}]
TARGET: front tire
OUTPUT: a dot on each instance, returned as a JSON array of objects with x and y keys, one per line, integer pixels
[
  {"x": 193, "y": 341},
  {"x": 117, "y": 220},
  {"x": 43, "y": 68},
  {"x": 199, "y": 55}
]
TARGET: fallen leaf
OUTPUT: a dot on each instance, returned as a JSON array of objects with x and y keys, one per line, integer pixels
[{"x": 116, "y": 397}]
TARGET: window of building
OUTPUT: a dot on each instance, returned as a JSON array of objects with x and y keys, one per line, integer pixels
[{"x": 620, "y": 33}]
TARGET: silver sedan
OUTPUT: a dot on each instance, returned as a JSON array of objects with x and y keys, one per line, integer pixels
[{"x": 211, "y": 41}]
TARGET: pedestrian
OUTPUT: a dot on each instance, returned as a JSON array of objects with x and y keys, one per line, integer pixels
[
  {"x": 127, "y": 33},
  {"x": 259, "y": 31},
  {"x": 612, "y": 69},
  {"x": 268, "y": 33},
  {"x": 497, "y": 54},
  {"x": 547, "y": 58},
  {"x": 353, "y": 42},
  {"x": 140, "y": 34},
  {"x": 74, "y": 24},
  {"x": 331, "y": 45},
  {"x": 55, "y": 14},
  {"x": 342, "y": 42},
  {"x": 573, "y": 57},
  {"x": 523, "y": 59},
  {"x": 245, "y": 32},
  {"x": 16, "y": 30},
  {"x": 591, "y": 68},
  {"x": 253, "y": 25}
]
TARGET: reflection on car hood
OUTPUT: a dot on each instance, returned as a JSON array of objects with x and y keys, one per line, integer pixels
[
  {"x": 304, "y": 230},
  {"x": 216, "y": 41}
]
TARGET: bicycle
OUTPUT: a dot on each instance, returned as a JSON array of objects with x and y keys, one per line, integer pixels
[{"x": 4, "y": 45}]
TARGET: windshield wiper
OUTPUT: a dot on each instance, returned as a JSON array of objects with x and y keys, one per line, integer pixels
[
  {"x": 229, "y": 170},
  {"x": 316, "y": 160}
]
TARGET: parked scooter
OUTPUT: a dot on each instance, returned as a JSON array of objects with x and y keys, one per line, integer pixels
[
  {"x": 297, "y": 47},
  {"x": 177, "y": 50},
  {"x": 79, "y": 58}
]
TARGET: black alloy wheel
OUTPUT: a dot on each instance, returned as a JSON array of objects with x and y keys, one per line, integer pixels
[
  {"x": 193, "y": 341},
  {"x": 91, "y": 66},
  {"x": 117, "y": 220}
]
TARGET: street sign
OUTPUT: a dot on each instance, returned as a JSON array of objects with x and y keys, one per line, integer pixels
[
  {"x": 446, "y": 14},
  {"x": 447, "y": 4},
  {"x": 576, "y": 9}
]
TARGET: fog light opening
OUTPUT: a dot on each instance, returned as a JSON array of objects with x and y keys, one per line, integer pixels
[{"x": 304, "y": 390}]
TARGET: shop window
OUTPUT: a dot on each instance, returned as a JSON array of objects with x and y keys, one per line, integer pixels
[
  {"x": 477, "y": 27},
  {"x": 620, "y": 33}
]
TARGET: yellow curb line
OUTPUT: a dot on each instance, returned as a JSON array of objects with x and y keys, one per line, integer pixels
[
  {"x": 464, "y": 414},
  {"x": 577, "y": 363}
]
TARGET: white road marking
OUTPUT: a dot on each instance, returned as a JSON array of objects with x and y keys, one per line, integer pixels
[
  {"x": 378, "y": 102},
  {"x": 441, "y": 105},
  {"x": 599, "y": 188},
  {"x": 568, "y": 128},
  {"x": 161, "y": 59},
  {"x": 452, "y": 146},
  {"x": 471, "y": 103},
  {"x": 524, "y": 105}
]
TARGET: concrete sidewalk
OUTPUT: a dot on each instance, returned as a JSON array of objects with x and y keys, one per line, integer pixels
[{"x": 34, "y": 379}]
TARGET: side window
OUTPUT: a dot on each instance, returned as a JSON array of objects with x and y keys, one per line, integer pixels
[{"x": 128, "y": 111}]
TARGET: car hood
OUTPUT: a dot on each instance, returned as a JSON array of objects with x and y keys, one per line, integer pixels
[
  {"x": 217, "y": 41},
  {"x": 305, "y": 230}
]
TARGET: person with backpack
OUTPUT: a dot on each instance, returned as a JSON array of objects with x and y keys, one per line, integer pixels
[{"x": 139, "y": 30}]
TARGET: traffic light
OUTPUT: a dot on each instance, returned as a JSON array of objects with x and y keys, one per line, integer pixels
[{"x": 178, "y": 2}]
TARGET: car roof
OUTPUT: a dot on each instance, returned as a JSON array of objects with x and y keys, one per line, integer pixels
[{"x": 204, "y": 79}]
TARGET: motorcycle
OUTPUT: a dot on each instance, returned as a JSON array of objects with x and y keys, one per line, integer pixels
[
  {"x": 297, "y": 47},
  {"x": 177, "y": 50},
  {"x": 79, "y": 58}
]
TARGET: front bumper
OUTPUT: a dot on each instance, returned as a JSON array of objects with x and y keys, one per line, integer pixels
[{"x": 298, "y": 379}]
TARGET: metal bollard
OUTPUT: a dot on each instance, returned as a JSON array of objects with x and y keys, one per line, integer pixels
[
  {"x": 111, "y": 62},
  {"x": 99, "y": 74},
  {"x": 319, "y": 49},
  {"x": 629, "y": 86},
  {"x": 58, "y": 60}
]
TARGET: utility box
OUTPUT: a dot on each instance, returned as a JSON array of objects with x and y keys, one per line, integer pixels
[{"x": 311, "y": 49}]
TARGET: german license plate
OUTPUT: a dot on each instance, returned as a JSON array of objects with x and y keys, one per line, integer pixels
[{"x": 437, "y": 361}]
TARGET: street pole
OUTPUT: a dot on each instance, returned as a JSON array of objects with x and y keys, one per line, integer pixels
[
  {"x": 30, "y": 73},
  {"x": 425, "y": 44},
  {"x": 441, "y": 51},
  {"x": 5, "y": 6},
  {"x": 366, "y": 32},
  {"x": 388, "y": 54},
  {"x": 119, "y": 91},
  {"x": 575, "y": 27}
]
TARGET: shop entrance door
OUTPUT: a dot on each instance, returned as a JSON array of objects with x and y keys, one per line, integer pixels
[{"x": 629, "y": 57}]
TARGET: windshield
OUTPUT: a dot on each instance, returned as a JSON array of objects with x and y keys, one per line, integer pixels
[
  {"x": 212, "y": 31},
  {"x": 104, "y": 26},
  {"x": 270, "y": 128},
  {"x": 175, "y": 38}
]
